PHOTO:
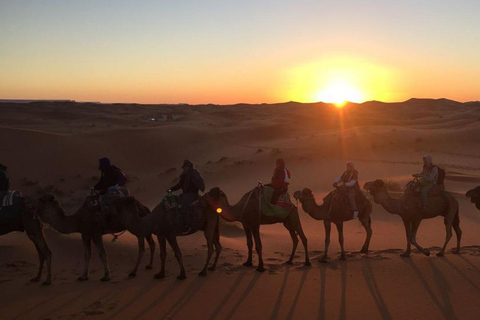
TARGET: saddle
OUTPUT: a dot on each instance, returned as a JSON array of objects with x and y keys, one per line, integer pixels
[{"x": 414, "y": 188}]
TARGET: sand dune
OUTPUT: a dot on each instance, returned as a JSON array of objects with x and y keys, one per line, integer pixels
[{"x": 55, "y": 147}]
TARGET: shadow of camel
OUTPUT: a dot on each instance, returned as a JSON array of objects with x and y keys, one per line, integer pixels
[{"x": 372, "y": 285}]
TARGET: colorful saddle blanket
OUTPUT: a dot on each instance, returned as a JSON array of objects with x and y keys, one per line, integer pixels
[{"x": 281, "y": 209}]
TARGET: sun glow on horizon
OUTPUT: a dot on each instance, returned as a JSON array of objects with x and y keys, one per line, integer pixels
[
  {"x": 339, "y": 93},
  {"x": 338, "y": 79}
]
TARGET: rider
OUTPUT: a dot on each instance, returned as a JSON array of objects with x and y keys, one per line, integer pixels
[
  {"x": 190, "y": 182},
  {"x": 111, "y": 179},
  {"x": 280, "y": 180},
  {"x": 4, "y": 182},
  {"x": 427, "y": 179},
  {"x": 349, "y": 179}
]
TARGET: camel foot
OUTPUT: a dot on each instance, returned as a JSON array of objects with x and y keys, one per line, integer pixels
[
  {"x": 82, "y": 278},
  {"x": 405, "y": 255},
  {"x": 289, "y": 262},
  {"x": 132, "y": 274},
  {"x": 364, "y": 251},
  {"x": 342, "y": 257},
  {"x": 440, "y": 254},
  {"x": 46, "y": 283},
  {"x": 248, "y": 264},
  {"x": 307, "y": 264},
  {"x": 456, "y": 251},
  {"x": 105, "y": 278},
  {"x": 212, "y": 268},
  {"x": 182, "y": 277},
  {"x": 159, "y": 275},
  {"x": 426, "y": 252},
  {"x": 323, "y": 259},
  {"x": 149, "y": 267},
  {"x": 202, "y": 273},
  {"x": 36, "y": 279},
  {"x": 260, "y": 269}
]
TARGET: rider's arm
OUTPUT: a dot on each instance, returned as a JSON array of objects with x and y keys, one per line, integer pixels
[{"x": 432, "y": 177}]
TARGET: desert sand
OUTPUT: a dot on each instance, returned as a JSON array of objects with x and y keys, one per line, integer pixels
[{"x": 54, "y": 147}]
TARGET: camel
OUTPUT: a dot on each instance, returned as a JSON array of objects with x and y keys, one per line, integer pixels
[
  {"x": 248, "y": 212},
  {"x": 87, "y": 221},
  {"x": 407, "y": 207},
  {"x": 335, "y": 213},
  {"x": 164, "y": 226},
  {"x": 29, "y": 222},
  {"x": 474, "y": 195}
]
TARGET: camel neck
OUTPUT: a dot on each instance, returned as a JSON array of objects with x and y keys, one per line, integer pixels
[
  {"x": 390, "y": 204},
  {"x": 60, "y": 222},
  {"x": 236, "y": 212},
  {"x": 317, "y": 212}
]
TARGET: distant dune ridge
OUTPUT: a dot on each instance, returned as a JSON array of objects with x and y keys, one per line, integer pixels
[{"x": 55, "y": 146}]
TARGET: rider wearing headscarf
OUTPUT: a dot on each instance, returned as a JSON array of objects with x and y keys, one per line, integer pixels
[{"x": 349, "y": 179}]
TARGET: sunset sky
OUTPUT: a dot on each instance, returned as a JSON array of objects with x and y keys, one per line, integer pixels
[{"x": 192, "y": 51}]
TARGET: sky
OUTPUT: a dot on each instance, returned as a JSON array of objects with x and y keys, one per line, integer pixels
[{"x": 226, "y": 52}]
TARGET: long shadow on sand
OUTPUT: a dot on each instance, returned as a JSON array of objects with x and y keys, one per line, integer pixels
[
  {"x": 183, "y": 300},
  {"x": 461, "y": 273},
  {"x": 444, "y": 288},
  {"x": 372, "y": 285},
  {"x": 447, "y": 311},
  {"x": 278, "y": 303},
  {"x": 343, "y": 301},
  {"x": 228, "y": 296},
  {"x": 244, "y": 295},
  {"x": 299, "y": 291}
]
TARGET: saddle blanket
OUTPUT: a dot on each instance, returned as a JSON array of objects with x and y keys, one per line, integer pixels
[{"x": 7, "y": 201}]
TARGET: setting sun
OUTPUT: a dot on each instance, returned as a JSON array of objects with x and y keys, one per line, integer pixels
[{"x": 339, "y": 93}]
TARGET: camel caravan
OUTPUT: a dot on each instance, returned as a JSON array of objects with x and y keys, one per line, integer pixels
[{"x": 110, "y": 209}]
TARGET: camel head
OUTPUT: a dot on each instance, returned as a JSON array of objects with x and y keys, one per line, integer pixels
[
  {"x": 373, "y": 187},
  {"x": 303, "y": 195},
  {"x": 216, "y": 199},
  {"x": 48, "y": 204},
  {"x": 474, "y": 195}
]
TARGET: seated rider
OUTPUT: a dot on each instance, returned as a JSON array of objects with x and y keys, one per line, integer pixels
[
  {"x": 427, "y": 179},
  {"x": 111, "y": 179},
  {"x": 349, "y": 180},
  {"x": 4, "y": 182},
  {"x": 190, "y": 182},
  {"x": 280, "y": 180}
]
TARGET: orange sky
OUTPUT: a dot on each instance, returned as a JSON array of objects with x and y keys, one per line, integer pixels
[{"x": 224, "y": 52}]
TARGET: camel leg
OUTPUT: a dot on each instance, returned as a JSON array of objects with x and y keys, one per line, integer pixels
[
  {"x": 218, "y": 248},
  {"x": 448, "y": 236},
  {"x": 258, "y": 248},
  {"x": 302, "y": 236},
  {"x": 368, "y": 228},
  {"x": 415, "y": 225},
  {"x": 294, "y": 237},
  {"x": 209, "y": 235},
  {"x": 248, "y": 234},
  {"x": 172, "y": 240},
  {"x": 328, "y": 228},
  {"x": 458, "y": 232},
  {"x": 44, "y": 254},
  {"x": 87, "y": 242},
  {"x": 408, "y": 230},
  {"x": 162, "y": 242},
  {"x": 151, "y": 245},
  {"x": 141, "y": 252},
  {"x": 98, "y": 241},
  {"x": 340, "y": 240}
]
